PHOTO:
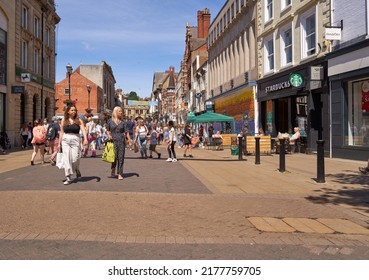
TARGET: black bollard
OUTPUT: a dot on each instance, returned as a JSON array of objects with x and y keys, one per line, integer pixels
[
  {"x": 239, "y": 147},
  {"x": 257, "y": 149},
  {"x": 320, "y": 162},
  {"x": 282, "y": 155}
]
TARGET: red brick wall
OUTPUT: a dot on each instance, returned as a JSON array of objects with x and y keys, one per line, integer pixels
[{"x": 78, "y": 85}]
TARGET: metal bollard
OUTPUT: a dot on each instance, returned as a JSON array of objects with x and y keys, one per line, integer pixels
[
  {"x": 320, "y": 162},
  {"x": 282, "y": 155},
  {"x": 239, "y": 147},
  {"x": 257, "y": 149}
]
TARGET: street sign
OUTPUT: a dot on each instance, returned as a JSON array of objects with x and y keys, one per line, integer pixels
[
  {"x": 25, "y": 77},
  {"x": 333, "y": 33},
  {"x": 296, "y": 80},
  {"x": 18, "y": 89},
  {"x": 198, "y": 95}
]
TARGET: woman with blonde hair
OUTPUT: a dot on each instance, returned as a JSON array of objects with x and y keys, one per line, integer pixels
[
  {"x": 70, "y": 142},
  {"x": 117, "y": 132}
]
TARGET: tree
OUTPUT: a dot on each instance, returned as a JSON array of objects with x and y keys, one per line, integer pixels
[{"x": 133, "y": 96}]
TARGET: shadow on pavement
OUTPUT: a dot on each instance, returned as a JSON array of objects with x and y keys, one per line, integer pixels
[{"x": 356, "y": 197}]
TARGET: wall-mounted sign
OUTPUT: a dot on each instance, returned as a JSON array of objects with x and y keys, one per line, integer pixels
[
  {"x": 18, "y": 89},
  {"x": 316, "y": 73},
  {"x": 277, "y": 86},
  {"x": 142, "y": 103},
  {"x": 296, "y": 80},
  {"x": 333, "y": 33},
  {"x": 25, "y": 77}
]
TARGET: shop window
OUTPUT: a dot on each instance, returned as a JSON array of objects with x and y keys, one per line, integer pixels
[
  {"x": 357, "y": 123},
  {"x": 301, "y": 114}
]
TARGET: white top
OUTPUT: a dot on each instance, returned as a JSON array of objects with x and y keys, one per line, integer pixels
[{"x": 172, "y": 134}]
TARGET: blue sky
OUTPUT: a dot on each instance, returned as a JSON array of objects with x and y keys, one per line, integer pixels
[{"x": 135, "y": 37}]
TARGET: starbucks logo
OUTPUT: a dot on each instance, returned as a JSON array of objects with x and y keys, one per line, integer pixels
[{"x": 296, "y": 80}]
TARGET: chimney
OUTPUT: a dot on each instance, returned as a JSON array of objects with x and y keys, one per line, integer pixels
[{"x": 203, "y": 23}]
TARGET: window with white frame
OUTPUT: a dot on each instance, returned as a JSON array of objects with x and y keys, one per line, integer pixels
[
  {"x": 269, "y": 54},
  {"x": 36, "y": 27},
  {"x": 285, "y": 4},
  {"x": 36, "y": 55},
  {"x": 268, "y": 10},
  {"x": 25, "y": 17},
  {"x": 24, "y": 54},
  {"x": 237, "y": 6},
  {"x": 308, "y": 33},
  {"x": 286, "y": 45}
]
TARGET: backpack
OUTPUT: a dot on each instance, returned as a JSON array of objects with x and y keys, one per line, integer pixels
[
  {"x": 39, "y": 136},
  {"x": 51, "y": 132}
]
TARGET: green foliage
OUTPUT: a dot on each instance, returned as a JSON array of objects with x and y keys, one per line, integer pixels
[{"x": 133, "y": 96}]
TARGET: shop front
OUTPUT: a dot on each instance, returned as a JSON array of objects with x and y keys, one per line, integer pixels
[
  {"x": 295, "y": 98},
  {"x": 348, "y": 71},
  {"x": 238, "y": 103}
]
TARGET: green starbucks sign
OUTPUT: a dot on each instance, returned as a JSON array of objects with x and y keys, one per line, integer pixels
[{"x": 296, "y": 80}]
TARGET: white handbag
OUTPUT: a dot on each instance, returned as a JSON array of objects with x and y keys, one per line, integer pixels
[{"x": 59, "y": 160}]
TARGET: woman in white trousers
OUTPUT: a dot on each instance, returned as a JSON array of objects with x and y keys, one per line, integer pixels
[{"x": 70, "y": 142}]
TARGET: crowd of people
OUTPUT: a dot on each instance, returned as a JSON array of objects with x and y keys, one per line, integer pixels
[{"x": 74, "y": 138}]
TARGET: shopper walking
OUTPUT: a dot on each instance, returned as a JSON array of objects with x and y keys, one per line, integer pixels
[
  {"x": 141, "y": 137},
  {"x": 70, "y": 142},
  {"x": 171, "y": 142},
  {"x": 38, "y": 140},
  {"x": 117, "y": 132}
]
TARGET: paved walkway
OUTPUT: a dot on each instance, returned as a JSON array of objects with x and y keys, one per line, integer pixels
[{"x": 211, "y": 201}]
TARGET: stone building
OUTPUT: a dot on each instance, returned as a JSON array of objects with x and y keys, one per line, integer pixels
[
  {"x": 232, "y": 63},
  {"x": 163, "y": 92},
  {"x": 348, "y": 74},
  {"x": 292, "y": 87},
  {"x": 27, "y": 63},
  {"x": 194, "y": 58}
]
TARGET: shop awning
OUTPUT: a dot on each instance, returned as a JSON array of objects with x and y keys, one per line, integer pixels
[{"x": 211, "y": 118}]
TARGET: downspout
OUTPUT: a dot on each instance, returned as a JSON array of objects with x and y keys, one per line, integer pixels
[{"x": 42, "y": 61}]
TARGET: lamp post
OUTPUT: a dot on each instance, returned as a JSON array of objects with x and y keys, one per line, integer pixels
[
  {"x": 69, "y": 71},
  {"x": 89, "y": 91}
]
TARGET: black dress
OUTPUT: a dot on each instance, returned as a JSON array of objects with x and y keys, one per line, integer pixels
[{"x": 118, "y": 134}]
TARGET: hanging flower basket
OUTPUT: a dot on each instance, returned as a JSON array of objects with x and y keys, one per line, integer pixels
[
  {"x": 69, "y": 103},
  {"x": 105, "y": 116},
  {"x": 88, "y": 113}
]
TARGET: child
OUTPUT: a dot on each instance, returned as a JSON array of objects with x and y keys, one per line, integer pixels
[{"x": 153, "y": 141}]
